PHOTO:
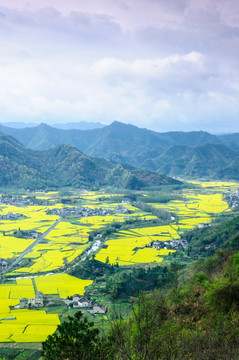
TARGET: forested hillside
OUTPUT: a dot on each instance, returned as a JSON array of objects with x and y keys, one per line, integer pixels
[
  {"x": 65, "y": 165},
  {"x": 188, "y": 154}
]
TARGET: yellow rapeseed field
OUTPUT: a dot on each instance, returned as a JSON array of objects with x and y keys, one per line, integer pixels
[
  {"x": 14, "y": 323},
  {"x": 61, "y": 284},
  {"x": 68, "y": 240}
]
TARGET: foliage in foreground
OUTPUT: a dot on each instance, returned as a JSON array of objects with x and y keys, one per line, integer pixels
[
  {"x": 199, "y": 320},
  {"x": 76, "y": 339}
]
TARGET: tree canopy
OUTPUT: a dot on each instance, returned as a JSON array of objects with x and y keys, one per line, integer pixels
[{"x": 75, "y": 339}]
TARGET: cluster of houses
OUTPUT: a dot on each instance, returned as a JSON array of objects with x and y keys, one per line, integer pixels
[
  {"x": 232, "y": 198},
  {"x": 27, "y": 234},
  {"x": 11, "y": 216},
  {"x": 21, "y": 201},
  {"x": 85, "y": 211},
  {"x": 80, "y": 302},
  {"x": 79, "y": 211},
  {"x": 177, "y": 244},
  {"x": 16, "y": 200},
  {"x": 26, "y": 303},
  {"x": 76, "y": 302},
  {"x": 120, "y": 209}
]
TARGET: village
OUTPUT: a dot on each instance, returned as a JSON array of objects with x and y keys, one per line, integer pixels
[
  {"x": 76, "y": 302},
  {"x": 85, "y": 211},
  {"x": 11, "y": 216},
  {"x": 178, "y": 244},
  {"x": 22, "y": 201},
  {"x": 232, "y": 198}
]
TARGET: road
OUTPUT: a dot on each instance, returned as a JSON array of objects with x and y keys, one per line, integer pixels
[
  {"x": 29, "y": 248},
  {"x": 93, "y": 248}
]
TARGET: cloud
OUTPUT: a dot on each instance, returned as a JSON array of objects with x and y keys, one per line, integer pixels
[
  {"x": 172, "y": 74},
  {"x": 79, "y": 26},
  {"x": 162, "y": 93},
  {"x": 155, "y": 63}
]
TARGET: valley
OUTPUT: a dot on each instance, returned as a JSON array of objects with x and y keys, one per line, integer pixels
[
  {"x": 119, "y": 180},
  {"x": 48, "y": 239}
]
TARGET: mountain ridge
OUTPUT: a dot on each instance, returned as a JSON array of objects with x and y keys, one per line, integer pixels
[
  {"x": 142, "y": 148},
  {"x": 80, "y": 125},
  {"x": 65, "y": 165}
]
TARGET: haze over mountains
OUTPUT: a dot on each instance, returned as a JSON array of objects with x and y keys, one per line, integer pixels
[
  {"x": 185, "y": 154},
  {"x": 80, "y": 125}
]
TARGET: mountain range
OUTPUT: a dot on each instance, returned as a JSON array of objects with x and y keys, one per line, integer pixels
[
  {"x": 80, "y": 125},
  {"x": 65, "y": 165},
  {"x": 185, "y": 154}
]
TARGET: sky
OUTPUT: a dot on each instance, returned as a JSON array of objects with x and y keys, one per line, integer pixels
[{"x": 160, "y": 64}]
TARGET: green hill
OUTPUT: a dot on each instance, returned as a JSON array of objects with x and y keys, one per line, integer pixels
[
  {"x": 201, "y": 161},
  {"x": 65, "y": 165},
  {"x": 188, "y": 154}
]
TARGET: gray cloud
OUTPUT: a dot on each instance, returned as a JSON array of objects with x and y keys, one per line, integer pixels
[
  {"x": 54, "y": 20},
  {"x": 155, "y": 63}
]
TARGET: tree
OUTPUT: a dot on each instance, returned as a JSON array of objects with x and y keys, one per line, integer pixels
[
  {"x": 137, "y": 337},
  {"x": 75, "y": 339}
]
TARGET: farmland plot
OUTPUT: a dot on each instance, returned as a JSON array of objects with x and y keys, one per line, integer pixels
[{"x": 70, "y": 239}]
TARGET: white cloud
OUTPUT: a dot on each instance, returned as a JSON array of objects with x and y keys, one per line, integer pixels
[
  {"x": 148, "y": 68},
  {"x": 146, "y": 92}
]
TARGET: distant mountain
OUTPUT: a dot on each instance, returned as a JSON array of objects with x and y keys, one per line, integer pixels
[
  {"x": 19, "y": 124},
  {"x": 80, "y": 125},
  {"x": 230, "y": 171},
  {"x": 230, "y": 140},
  {"x": 192, "y": 154},
  {"x": 65, "y": 165},
  {"x": 201, "y": 161},
  {"x": 44, "y": 136},
  {"x": 118, "y": 141},
  {"x": 112, "y": 138}
]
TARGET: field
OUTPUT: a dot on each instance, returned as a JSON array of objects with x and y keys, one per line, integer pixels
[
  {"x": 23, "y": 325},
  {"x": 130, "y": 248},
  {"x": 43, "y": 267},
  {"x": 65, "y": 243}
]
